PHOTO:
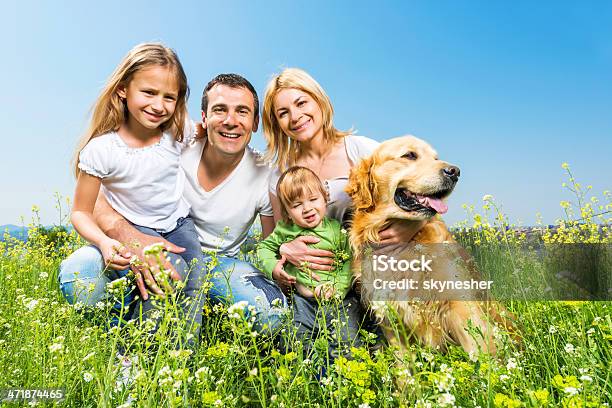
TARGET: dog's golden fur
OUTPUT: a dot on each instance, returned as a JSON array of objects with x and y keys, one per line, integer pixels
[{"x": 408, "y": 163}]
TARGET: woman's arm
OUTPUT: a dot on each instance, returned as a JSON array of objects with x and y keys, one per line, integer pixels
[{"x": 267, "y": 225}]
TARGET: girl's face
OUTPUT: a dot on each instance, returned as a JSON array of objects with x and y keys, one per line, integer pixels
[
  {"x": 151, "y": 96},
  {"x": 298, "y": 114},
  {"x": 308, "y": 210}
]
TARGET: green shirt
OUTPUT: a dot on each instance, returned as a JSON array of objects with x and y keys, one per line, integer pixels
[{"x": 332, "y": 238}]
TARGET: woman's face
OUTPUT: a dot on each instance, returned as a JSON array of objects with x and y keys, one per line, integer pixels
[{"x": 298, "y": 114}]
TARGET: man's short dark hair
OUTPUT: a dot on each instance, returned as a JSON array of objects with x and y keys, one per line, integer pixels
[{"x": 233, "y": 81}]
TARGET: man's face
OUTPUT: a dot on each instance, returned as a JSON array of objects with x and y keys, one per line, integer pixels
[{"x": 230, "y": 119}]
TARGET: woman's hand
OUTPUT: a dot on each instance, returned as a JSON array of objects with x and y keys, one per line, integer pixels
[
  {"x": 298, "y": 253},
  {"x": 400, "y": 231}
]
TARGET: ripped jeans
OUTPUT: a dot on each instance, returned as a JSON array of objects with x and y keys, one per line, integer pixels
[
  {"x": 235, "y": 281},
  {"x": 82, "y": 279}
]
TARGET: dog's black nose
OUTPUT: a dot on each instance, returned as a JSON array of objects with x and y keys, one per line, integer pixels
[{"x": 452, "y": 172}]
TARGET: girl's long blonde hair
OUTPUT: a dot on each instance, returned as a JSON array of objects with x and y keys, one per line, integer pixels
[
  {"x": 282, "y": 150},
  {"x": 110, "y": 111}
]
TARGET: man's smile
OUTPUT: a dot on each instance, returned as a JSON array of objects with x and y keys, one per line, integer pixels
[{"x": 230, "y": 135}]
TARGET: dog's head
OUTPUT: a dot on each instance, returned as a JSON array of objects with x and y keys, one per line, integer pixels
[{"x": 403, "y": 178}]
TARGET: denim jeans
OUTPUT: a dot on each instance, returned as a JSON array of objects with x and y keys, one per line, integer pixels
[
  {"x": 340, "y": 320},
  {"x": 82, "y": 279},
  {"x": 235, "y": 281}
]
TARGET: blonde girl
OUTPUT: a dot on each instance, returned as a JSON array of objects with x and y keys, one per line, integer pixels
[{"x": 131, "y": 152}]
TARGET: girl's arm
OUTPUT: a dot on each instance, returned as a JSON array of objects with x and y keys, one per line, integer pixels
[{"x": 85, "y": 195}]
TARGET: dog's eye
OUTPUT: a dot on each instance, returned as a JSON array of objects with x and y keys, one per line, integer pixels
[{"x": 410, "y": 156}]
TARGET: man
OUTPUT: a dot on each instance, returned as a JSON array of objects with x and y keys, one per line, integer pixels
[{"x": 227, "y": 186}]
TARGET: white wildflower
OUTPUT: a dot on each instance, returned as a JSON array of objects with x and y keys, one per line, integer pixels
[
  {"x": 571, "y": 390},
  {"x": 165, "y": 372},
  {"x": 202, "y": 373},
  {"x": 90, "y": 355},
  {"x": 511, "y": 364},
  {"x": 569, "y": 348},
  {"x": 446, "y": 399},
  {"x": 235, "y": 311},
  {"x": 427, "y": 356},
  {"x": 87, "y": 377},
  {"x": 56, "y": 347},
  {"x": 31, "y": 305}
]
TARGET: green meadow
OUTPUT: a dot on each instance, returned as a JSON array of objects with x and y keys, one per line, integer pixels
[{"x": 560, "y": 359}]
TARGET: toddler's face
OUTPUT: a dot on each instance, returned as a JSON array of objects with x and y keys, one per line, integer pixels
[{"x": 308, "y": 211}]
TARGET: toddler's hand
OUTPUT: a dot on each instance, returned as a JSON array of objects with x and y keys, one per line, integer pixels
[
  {"x": 324, "y": 291},
  {"x": 281, "y": 277}
]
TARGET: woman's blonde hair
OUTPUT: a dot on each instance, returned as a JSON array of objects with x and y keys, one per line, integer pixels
[
  {"x": 282, "y": 150},
  {"x": 296, "y": 183},
  {"x": 110, "y": 111}
]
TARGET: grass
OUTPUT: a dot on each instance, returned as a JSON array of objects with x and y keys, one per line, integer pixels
[{"x": 563, "y": 358}]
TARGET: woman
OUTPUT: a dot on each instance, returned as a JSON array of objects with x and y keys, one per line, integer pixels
[{"x": 298, "y": 126}]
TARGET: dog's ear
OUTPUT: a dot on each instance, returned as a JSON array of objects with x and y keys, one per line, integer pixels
[{"x": 361, "y": 186}]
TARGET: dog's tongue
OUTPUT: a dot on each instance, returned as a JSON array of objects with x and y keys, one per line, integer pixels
[{"x": 434, "y": 203}]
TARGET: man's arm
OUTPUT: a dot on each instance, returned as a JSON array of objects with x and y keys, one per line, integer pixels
[
  {"x": 111, "y": 222},
  {"x": 117, "y": 227}
]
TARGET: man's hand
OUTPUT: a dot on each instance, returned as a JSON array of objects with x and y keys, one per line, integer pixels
[
  {"x": 282, "y": 278},
  {"x": 147, "y": 268},
  {"x": 400, "y": 231},
  {"x": 298, "y": 253}
]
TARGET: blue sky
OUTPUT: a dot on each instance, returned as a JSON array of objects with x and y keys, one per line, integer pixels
[{"x": 506, "y": 90}]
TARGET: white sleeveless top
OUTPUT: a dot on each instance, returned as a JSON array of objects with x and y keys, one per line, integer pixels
[{"x": 339, "y": 205}]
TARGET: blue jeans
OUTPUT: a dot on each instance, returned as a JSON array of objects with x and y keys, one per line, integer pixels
[
  {"x": 82, "y": 279},
  {"x": 235, "y": 281}
]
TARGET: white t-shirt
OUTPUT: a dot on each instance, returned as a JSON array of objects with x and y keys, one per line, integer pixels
[
  {"x": 224, "y": 215},
  {"x": 144, "y": 185},
  {"x": 339, "y": 205}
]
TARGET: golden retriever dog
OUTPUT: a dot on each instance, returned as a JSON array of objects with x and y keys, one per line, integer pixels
[{"x": 404, "y": 179}]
